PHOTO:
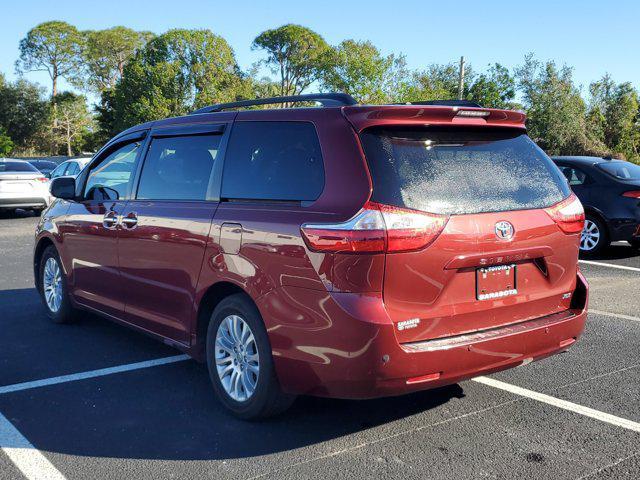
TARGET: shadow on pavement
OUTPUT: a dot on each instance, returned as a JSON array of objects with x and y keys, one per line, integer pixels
[
  {"x": 170, "y": 413},
  {"x": 32, "y": 347},
  {"x": 19, "y": 213},
  {"x": 616, "y": 251},
  {"x": 167, "y": 412}
]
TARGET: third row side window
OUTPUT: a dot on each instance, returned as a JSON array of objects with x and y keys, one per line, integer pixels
[{"x": 273, "y": 161}]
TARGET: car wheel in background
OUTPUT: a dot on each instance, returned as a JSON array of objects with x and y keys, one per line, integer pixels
[
  {"x": 594, "y": 238},
  {"x": 53, "y": 288},
  {"x": 240, "y": 361}
]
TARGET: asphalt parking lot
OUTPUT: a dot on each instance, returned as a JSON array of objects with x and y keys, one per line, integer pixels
[{"x": 95, "y": 400}]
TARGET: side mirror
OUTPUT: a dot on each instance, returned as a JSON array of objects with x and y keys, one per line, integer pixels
[{"x": 63, "y": 187}]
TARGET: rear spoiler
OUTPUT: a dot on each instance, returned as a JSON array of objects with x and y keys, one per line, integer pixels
[{"x": 362, "y": 117}]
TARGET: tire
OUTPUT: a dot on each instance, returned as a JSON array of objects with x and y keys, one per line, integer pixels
[
  {"x": 257, "y": 395},
  {"x": 594, "y": 238},
  {"x": 61, "y": 311}
]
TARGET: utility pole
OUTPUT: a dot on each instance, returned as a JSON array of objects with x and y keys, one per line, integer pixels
[{"x": 461, "y": 79}]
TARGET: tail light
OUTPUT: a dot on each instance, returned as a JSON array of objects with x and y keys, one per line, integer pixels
[
  {"x": 632, "y": 194},
  {"x": 376, "y": 228},
  {"x": 42, "y": 179},
  {"x": 568, "y": 214}
]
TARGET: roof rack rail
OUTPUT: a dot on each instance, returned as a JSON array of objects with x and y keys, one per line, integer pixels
[
  {"x": 447, "y": 103},
  {"x": 324, "y": 99}
]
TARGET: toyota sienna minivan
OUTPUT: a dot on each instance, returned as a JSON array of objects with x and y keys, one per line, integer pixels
[{"x": 350, "y": 251}]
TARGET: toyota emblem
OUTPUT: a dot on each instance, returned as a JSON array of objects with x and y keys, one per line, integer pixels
[{"x": 504, "y": 230}]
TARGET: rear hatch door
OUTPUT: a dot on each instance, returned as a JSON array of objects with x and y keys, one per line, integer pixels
[{"x": 501, "y": 258}]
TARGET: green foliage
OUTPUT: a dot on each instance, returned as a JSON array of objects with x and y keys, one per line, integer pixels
[
  {"x": 107, "y": 52},
  {"x": 437, "y": 82},
  {"x": 142, "y": 78},
  {"x": 55, "y": 47},
  {"x": 555, "y": 109},
  {"x": 174, "y": 73},
  {"x": 73, "y": 122},
  {"x": 612, "y": 119},
  {"x": 6, "y": 144},
  {"x": 24, "y": 113},
  {"x": 297, "y": 54},
  {"x": 495, "y": 88},
  {"x": 359, "y": 69}
]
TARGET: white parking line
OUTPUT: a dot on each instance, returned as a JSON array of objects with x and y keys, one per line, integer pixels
[
  {"x": 614, "y": 315},
  {"x": 21, "y": 452},
  {"x": 610, "y": 265},
  {"x": 24, "y": 455},
  {"x": 556, "y": 402},
  {"x": 92, "y": 374}
]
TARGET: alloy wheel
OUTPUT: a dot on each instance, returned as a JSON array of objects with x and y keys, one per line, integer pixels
[
  {"x": 237, "y": 359},
  {"x": 52, "y": 284},
  {"x": 590, "y": 236}
]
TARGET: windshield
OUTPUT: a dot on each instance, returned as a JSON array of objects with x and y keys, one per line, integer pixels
[
  {"x": 9, "y": 166},
  {"x": 621, "y": 170},
  {"x": 460, "y": 170}
]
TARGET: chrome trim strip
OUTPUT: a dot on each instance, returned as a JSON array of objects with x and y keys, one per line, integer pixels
[{"x": 488, "y": 334}]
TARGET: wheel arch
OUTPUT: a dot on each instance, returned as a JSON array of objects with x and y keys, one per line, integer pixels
[
  {"x": 210, "y": 300},
  {"x": 41, "y": 246},
  {"x": 589, "y": 210}
]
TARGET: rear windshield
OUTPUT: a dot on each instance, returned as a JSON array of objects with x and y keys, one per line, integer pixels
[
  {"x": 621, "y": 170},
  {"x": 460, "y": 170},
  {"x": 8, "y": 166}
]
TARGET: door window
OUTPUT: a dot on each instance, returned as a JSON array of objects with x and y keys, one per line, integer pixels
[
  {"x": 273, "y": 161},
  {"x": 573, "y": 175},
  {"x": 73, "y": 169},
  {"x": 59, "y": 171},
  {"x": 178, "y": 168},
  {"x": 110, "y": 178}
]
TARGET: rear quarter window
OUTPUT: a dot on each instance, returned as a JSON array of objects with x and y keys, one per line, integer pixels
[
  {"x": 273, "y": 161},
  {"x": 621, "y": 170},
  {"x": 460, "y": 170}
]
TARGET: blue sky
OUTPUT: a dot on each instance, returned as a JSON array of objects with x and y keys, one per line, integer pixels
[{"x": 594, "y": 37}]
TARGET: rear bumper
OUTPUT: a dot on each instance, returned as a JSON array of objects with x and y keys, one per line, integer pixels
[
  {"x": 386, "y": 368},
  {"x": 434, "y": 364},
  {"x": 24, "y": 202}
]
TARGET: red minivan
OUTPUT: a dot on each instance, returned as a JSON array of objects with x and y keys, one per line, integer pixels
[{"x": 350, "y": 251}]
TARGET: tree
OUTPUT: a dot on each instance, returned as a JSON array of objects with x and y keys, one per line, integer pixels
[
  {"x": 495, "y": 88},
  {"x": 555, "y": 109},
  {"x": 54, "y": 47},
  {"x": 612, "y": 119},
  {"x": 359, "y": 69},
  {"x": 6, "y": 145},
  {"x": 25, "y": 114},
  {"x": 73, "y": 121},
  {"x": 298, "y": 54},
  {"x": 437, "y": 82},
  {"x": 174, "y": 73},
  {"x": 107, "y": 52}
]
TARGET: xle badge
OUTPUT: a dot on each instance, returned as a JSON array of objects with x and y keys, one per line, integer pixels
[{"x": 407, "y": 324}]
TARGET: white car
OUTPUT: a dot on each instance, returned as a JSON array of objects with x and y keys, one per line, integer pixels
[
  {"x": 22, "y": 186},
  {"x": 70, "y": 168}
]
